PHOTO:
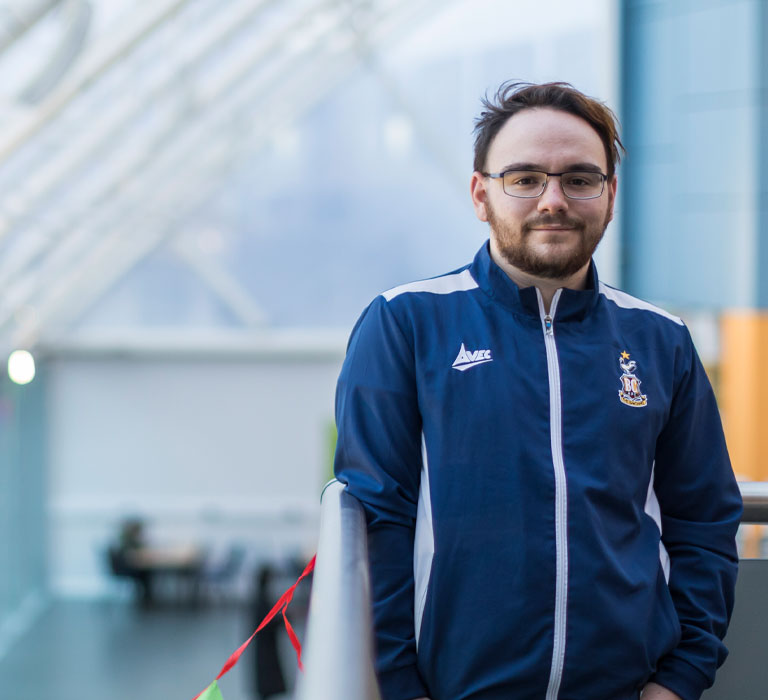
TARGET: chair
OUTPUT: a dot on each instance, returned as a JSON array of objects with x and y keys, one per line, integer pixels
[
  {"x": 219, "y": 576},
  {"x": 120, "y": 568}
]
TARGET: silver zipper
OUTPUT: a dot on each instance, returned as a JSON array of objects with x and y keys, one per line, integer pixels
[{"x": 561, "y": 496}]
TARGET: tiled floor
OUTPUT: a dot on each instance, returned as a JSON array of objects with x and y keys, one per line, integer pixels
[{"x": 114, "y": 651}]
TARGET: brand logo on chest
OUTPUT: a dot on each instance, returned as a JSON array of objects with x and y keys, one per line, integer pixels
[
  {"x": 629, "y": 393},
  {"x": 470, "y": 358}
]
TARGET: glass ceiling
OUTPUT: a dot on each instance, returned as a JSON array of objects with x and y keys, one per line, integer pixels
[{"x": 246, "y": 164}]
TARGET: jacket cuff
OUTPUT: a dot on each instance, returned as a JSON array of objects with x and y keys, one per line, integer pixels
[
  {"x": 402, "y": 684},
  {"x": 681, "y": 678}
]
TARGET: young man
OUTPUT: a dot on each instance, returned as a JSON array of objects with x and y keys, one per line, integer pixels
[{"x": 551, "y": 509}]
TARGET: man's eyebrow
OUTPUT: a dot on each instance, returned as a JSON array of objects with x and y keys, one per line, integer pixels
[
  {"x": 583, "y": 167},
  {"x": 586, "y": 167},
  {"x": 522, "y": 166}
]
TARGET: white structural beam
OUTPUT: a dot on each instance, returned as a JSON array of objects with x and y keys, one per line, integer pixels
[
  {"x": 108, "y": 52},
  {"x": 175, "y": 148},
  {"x": 77, "y": 20},
  {"x": 17, "y": 17},
  {"x": 228, "y": 290},
  {"x": 109, "y": 126},
  {"x": 96, "y": 251},
  {"x": 120, "y": 249}
]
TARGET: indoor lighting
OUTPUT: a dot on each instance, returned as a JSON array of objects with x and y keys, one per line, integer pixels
[{"x": 21, "y": 367}]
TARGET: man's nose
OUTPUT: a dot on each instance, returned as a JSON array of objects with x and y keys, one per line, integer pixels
[{"x": 552, "y": 198}]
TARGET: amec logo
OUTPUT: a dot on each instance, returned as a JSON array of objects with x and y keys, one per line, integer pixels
[{"x": 470, "y": 358}]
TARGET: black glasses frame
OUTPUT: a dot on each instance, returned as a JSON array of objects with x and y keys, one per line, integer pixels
[{"x": 500, "y": 176}]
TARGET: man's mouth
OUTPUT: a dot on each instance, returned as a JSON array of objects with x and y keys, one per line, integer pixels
[
  {"x": 554, "y": 224},
  {"x": 555, "y": 228}
]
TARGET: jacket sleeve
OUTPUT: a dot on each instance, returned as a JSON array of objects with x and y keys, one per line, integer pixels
[
  {"x": 378, "y": 456},
  {"x": 700, "y": 512}
]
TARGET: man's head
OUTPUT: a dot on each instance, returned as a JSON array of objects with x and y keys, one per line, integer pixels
[
  {"x": 513, "y": 97},
  {"x": 551, "y": 128}
]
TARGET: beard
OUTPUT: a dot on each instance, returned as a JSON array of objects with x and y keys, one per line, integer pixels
[{"x": 564, "y": 260}]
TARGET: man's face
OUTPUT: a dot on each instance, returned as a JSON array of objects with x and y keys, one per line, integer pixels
[{"x": 550, "y": 236}]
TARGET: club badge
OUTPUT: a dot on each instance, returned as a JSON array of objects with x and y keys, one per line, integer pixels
[{"x": 629, "y": 393}]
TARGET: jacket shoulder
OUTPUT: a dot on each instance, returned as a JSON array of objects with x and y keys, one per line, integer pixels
[
  {"x": 627, "y": 301},
  {"x": 460, "y": 280}
]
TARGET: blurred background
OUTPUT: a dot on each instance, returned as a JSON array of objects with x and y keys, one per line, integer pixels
[{"x": 198, "y": 198}]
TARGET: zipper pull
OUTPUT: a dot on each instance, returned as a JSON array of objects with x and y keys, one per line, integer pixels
[{"x": 548, "y": 324}]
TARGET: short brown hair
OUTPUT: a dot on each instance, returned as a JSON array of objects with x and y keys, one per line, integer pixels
[{"x": 513, "y": 97}]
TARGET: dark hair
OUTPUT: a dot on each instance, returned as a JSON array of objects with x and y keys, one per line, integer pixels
[{"x": 513, "y": 97}]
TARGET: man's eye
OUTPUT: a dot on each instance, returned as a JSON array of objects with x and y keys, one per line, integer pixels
[
  {"x": 524, "y": 179},
  {"x": 581, "y": 180}
]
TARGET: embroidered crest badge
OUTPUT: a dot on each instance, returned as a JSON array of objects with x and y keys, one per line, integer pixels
[{"x": 629, "y": 393}]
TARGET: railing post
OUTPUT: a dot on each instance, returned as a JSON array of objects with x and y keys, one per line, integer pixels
[
  {"x": 339, "y": 643},
  {"x": 755, "y": 495}
]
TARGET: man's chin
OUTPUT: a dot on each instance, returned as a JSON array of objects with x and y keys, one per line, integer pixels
[
  {"x": 553, "y": 265},
  {"x": 559, "y": 250}
]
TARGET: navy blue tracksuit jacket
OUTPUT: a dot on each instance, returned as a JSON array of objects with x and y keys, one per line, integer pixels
[{"x": 551, "y": 509}]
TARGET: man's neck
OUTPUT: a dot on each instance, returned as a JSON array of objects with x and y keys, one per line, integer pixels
[{"x": 547, "y": 286}]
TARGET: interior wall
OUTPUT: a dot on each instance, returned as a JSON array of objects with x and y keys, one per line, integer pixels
[
  {"x": 22, "y": 489},
  {"x": 692, "y": 104},
  {"x": 207, "y": 450}
]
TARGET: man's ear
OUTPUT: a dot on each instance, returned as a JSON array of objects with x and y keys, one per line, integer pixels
[{"x": 479, "y": 195}]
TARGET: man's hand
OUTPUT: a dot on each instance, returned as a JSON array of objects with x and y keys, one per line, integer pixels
[{"x": 654, "y": 691}]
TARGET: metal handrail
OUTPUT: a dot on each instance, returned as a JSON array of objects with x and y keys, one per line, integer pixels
[
  {"x": 339, "y": 646},
  {"x": 755, "y": 496}
]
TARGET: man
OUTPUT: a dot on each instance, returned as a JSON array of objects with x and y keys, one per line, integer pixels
[{"x": 551, "y": 509}]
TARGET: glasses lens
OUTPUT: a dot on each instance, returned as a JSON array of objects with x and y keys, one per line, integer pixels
[
  {"x": 524, "y": 183},
  {"x": 582, "y": 185}
]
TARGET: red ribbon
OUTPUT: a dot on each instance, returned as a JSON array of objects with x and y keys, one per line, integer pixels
[{"x": 280, "y": 606}]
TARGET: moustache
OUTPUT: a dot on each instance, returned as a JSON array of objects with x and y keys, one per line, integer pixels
[{"x": 544, "y": 221}]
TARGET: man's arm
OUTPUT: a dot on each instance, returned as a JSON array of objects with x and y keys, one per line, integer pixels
[
  {"x": 701, "y": 509},
  {"x": 378, "y": 456}
]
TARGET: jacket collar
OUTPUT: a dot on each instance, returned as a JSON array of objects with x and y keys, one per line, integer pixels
[{"x": 574, "y": 304}]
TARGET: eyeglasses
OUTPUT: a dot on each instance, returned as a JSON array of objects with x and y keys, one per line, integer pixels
[{"x": 532, "y": 183}]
